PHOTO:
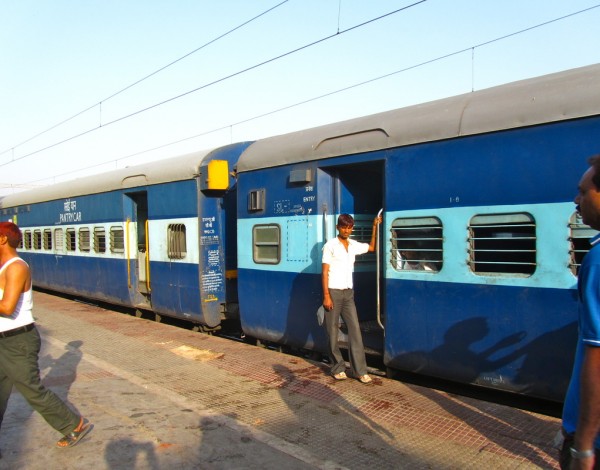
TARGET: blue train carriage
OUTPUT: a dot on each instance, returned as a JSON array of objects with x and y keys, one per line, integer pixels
[
  {"x": 480, "y": 244},
  {"x": 152, "y": 237}
]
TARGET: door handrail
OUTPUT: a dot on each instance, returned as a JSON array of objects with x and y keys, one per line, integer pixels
[
  {"x": 147, "y": 257},
  {"x": 325, "y": 227},
  {"x": 378, "y": 254},
  {"x": 127, "y": 253}
]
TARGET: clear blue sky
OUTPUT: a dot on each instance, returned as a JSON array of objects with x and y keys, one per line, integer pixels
[{"x": 61, "y": 57}]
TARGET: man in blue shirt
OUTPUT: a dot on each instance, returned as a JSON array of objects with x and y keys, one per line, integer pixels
[{"x": 581, "y": 413}]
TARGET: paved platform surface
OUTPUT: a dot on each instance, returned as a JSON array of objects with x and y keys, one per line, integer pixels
[{"x": 162, "y": 397}]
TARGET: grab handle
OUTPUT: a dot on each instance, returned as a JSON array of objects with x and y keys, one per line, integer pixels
[{"x": 377, "y": 256}]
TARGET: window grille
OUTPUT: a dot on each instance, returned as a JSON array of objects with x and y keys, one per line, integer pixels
[
  {"x": 417, "y": 244},
  {"x": 47, "y": 239},
  {"x": 361, "y": 232},
  {"x": 502, "y": 244},
  {"x": 37, "y": 239},
  {"x": 27, "y": 239},
  {"x": 579, "y": 239},
  {"x": 266, "y": 242},
  {"x": 177, "y": 241},
  {"x": 84, "y": 239},
  {"x": 117, "y": 240},
  {"x": 71, "y": 240},
  {"x": 99, "y": 240},
  {"x": 59, "y": 240}
]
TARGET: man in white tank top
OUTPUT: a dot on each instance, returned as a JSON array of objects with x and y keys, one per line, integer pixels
[{"x": 20, "y": 344}]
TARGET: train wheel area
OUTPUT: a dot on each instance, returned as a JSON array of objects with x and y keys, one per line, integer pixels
[{"x": 165, "y": 397}]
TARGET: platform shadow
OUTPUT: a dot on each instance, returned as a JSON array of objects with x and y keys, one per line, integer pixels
[
  {"x": 124, "y": 454},
  {"x": 62, "y": 371},
  {"x": 337, "y": 424},
  {"x": 540, "y": 373},
  {"x": 511, "y": 429},
  {"x": 302, "y": 330}
]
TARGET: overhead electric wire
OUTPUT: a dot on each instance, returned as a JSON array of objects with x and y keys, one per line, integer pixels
[
  {"x": 331, "y": 93},
  {"x": 137, "y": 82},
  {"x": 206, "y": 85}
]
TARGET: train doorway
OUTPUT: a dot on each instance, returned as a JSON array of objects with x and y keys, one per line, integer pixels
[
  {"x": 358, "y": 189},
  {"x": 139, "y": 251}
]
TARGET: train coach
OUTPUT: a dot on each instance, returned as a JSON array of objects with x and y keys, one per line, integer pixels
[
  {"x": 152, "y": 237},
  {"x": 474, "y": 278}
]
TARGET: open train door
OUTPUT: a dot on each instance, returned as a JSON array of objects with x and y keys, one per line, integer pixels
[
  {"x": 357, "y": 189},
  {"x": 137, "y": 251}
]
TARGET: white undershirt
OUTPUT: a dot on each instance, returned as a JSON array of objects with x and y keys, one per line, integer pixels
[
  {"x": 23, "y": 314},
  {"x": 341, "y": 262}
]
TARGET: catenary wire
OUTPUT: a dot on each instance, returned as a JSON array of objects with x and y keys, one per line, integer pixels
[
  {"x": 323, "y": 95},
  {"x": 206, "y": 85},
  {"x": 137, "y": 82},
  {"x": 328, "y": 94}
]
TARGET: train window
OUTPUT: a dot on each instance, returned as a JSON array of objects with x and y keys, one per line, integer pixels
[
  {"x": 117, "y": 240},
  {"x": 177, "y": 241},
  {"x": 47, "y": 239},
  {"x": 59, "y": 240},
  {"x": 256, "y": 200},
  {"x": 417, "y": 244},
  {"x": 579, "y": 238},
  {"x": 27, "y": 239},
  {"x": 502, "y": 244},
  {"x": 363, "y": 228},
  {"x": 71, "y": 240},
  {"x": 37, "y": 239},
  {"x": 266, "y": 243},
  {"x": 84, "y": 239},
  {"x": 99, "y": 240}
]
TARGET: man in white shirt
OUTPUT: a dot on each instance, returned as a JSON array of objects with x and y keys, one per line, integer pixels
[{"x": 338, "y": 297}]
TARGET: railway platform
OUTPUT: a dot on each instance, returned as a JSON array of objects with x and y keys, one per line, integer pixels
[{"x": 163, "y": 397}]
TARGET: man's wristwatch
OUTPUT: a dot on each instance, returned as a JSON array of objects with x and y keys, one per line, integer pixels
[{"x": 581, "y": 454}]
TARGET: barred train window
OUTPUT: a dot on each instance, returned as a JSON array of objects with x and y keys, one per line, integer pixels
[
  {"x": 84, "y": 239},
  {"x": 59, "y": 240},
  {"x": 37, "y": 239},
  {"x": 117, "y": 240},
  {"x": 417, "y": 244},
  {"x": 71, "y": 241},
  {"x": 27, "y": 239},
  {"x": 502, "y": 244},
  {"x": 47, "y": 239},
  {"x": 177, "y": 241},
  {"x": 363, "y": 228},
  {"x": 266, "y": 244},
  {"x": 99, "y": 240},
  {"x": 579, "y": 238}
]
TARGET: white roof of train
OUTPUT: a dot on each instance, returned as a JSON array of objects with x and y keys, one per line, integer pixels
[
  {"x": 173, "y": 169},
  {"x": 556, "y": 97}
]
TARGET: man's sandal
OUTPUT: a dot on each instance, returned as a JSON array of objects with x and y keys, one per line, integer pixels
[
  {"x": 365, "y": 379},
  {"x": 73, "y": 438}
]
